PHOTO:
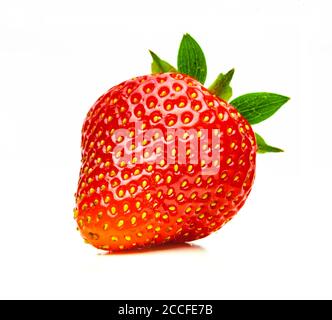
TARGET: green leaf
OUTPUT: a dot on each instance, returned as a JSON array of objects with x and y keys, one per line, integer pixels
[
  {"x": 257, "y": 107},
  {"x": 263, "y": 147},
  {"x": 191, "y": 59},
  {"x": 221, "y": 86},
  {"x": 160, "y": 66}
]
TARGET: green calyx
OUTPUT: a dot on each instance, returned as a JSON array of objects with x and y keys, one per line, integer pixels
[{"x": 255, "y": 107}]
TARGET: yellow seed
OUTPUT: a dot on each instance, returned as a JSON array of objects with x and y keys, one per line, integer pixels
[
  {"x": 198, "y": 180},
  {"x": 120, "y": 223},
  {"x": 144, "y": 215},
  {"x": 198, "y": 209},
  {"x": 146, "y": 154},
  {"x": 179, "y": 220},
  {"x": 229, "y": 130},
  {"x": 173, "y": 152},
  {"x": 171, "y": 122},
  {"x": 163, "y": 93},
  {"x": 190, "y": 168},
  {"x": 125, "y": 207},
  {"x": 181, "y": 104},
  {"x": 112, "y": 173},
  {"x": 236, "y": 178},
  {"x": 194, "y": 95},
  {"x": 201, "y": 216},
  {"x": 219, "y": 190},
  {"x": 144, "y": 183},
  {"x": 170, "y": 191},
  {"x": 157, "y": 214},
  {"x": 128, "y": 238},
  {"x": 206, "y": 118},
  {"x": 113, "y": 210},
  {"x": 197, "y": 107},
  {"x": 126, "y": 176},
  {"x": 220, "y": 116},
  {"x": 180, "y": 197},
  {"x": 92, "y": 190},
  {"x": 101, "y": 176},
  {"x": 88, "y": 219},
  {"x": 210, "y": 104},
  {"x": 140, "y": 234},
  {"x": 134, "y": 160},
  {"x": 156, "y": 118},
  {"x": 184, "y": 183},
  {"x": 121, "y": 193},
  {"x": 115, "y": 239},
  {"x": 186, "y": 120},
  {"x": 100, "y": 214},
  {"x": 188, "y": 152},
  {"x": 243, "y": 145},
  {"x": 107, "y": 199},
  {"x": 223, "y": 176},
  {"x": 162, "y": 163},
  {"x": 213, "y": 204},
  {"x": 232, "y": 145},
  {"x": 108, "y": 148},
  {"x": 193, "y": 195},
  {"x": 229, "y": 160},
  {"x": 151, "y": 104},
  {"x": 105, "y": 226},
  {"x": 172, "y": 208},
  {"x": 157, "y": 229},
  {"x": 149, "y": 227},
  {"x": 121, "y": 247},
  {"x": 165, "y": 216},
  {"x": 133, "y": 220},
  {"x": 80, "y": 222},
  {"x": 205, "y": 196},
  {"x": 148, "y": 196},
  {"x": 132, "y": 190},
  {"x": 138, "y": 205},
  {"x": 75, "y": 213},
  {"x": 176, "y": 168},
  {"x": 188, "y": 209},
  {"x": 168, "y": 107},
  {"x": 199, "y": 134},
  {"x": 157, "y": 178},
  {"x": 169, "y": 137},
  {"x": 122, "y": 164}
]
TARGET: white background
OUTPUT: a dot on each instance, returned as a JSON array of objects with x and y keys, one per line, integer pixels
[{"x": 58, "y": 57}]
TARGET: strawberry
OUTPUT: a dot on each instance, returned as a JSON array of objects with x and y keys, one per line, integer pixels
[{"x": 164, "y": 159}]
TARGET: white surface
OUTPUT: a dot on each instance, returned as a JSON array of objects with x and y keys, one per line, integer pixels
[{"x": 58, "y": 57}]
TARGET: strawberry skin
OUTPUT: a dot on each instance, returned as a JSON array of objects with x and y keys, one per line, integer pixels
[{"x": 142, "y": 194}]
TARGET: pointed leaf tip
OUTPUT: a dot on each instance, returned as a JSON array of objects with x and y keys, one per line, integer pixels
[
  {"x": 160, "y": 66},
  {"x": 221, "y": 86},
  {"x": 259, "y": 106},
  {"x": 263, "y": 147},
  {"x": 191, "y": 59}
]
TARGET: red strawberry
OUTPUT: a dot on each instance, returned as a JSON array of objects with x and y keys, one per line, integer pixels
[
  {"x": 166, "y": 160},
  {"x": 144, "y": 200}
]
